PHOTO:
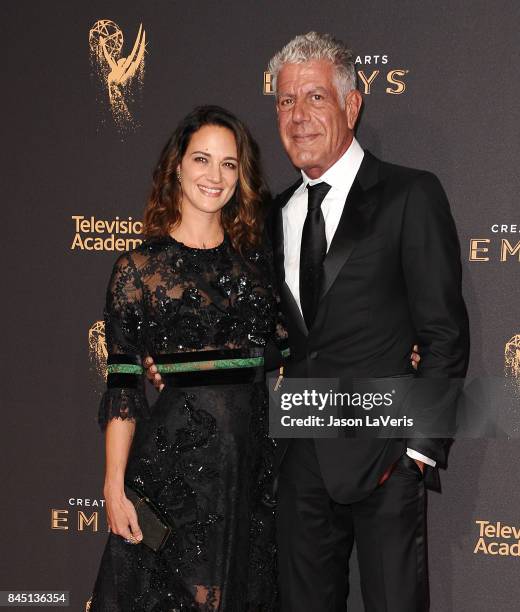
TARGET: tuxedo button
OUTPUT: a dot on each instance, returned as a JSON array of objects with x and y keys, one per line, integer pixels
[{"x": 313, "y": 355}]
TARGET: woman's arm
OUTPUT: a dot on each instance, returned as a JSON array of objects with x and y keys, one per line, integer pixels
[
  {"x": 124, "y": 402},
  {"x": 121, "y": 515}
]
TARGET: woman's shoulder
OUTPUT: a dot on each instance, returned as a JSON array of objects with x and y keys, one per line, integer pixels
[
  {"x": 152, "y": 246},
  {"x": 142, "y": 254}
]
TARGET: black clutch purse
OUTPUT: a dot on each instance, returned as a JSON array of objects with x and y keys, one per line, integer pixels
[{"x": 155, "y": 528}]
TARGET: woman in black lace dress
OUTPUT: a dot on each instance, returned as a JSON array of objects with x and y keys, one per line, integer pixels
[{"x": 198, "y": 297}]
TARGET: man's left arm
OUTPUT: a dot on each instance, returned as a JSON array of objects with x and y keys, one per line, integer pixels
[{"x": 430, "y": 254}]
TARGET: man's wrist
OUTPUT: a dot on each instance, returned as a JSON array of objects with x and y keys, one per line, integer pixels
[{"x": 420, "y": 457}]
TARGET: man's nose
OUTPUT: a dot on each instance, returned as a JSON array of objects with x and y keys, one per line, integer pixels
[{"x": 300, "y": 111}]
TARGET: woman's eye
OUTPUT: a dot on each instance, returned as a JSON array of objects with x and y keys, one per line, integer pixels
[
  {"x": 231, "y": 165},
  {"x": 201, "y": 159}
]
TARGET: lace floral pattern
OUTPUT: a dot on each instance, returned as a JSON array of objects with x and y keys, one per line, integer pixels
[{"x": 123, "y": 404}]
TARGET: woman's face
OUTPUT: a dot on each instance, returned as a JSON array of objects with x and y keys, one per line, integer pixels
[{"x": 209, "y": 169}]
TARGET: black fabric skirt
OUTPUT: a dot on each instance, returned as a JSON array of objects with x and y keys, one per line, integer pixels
[{"x": 205, "y": 458}]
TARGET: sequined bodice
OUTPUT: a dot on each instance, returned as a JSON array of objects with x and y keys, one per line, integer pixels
[
  {"x": 179, "y": 298},
  {"x": 167, "y": 299}
]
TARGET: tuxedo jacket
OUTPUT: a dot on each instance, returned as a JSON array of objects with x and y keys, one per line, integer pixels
[{"x": 392, "y": 279}]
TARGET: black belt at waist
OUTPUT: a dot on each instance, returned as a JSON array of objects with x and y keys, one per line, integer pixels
[{"x": 232, "y": 376}]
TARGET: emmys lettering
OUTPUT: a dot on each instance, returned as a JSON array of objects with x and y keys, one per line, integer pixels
[
  {"x": 485, "y": 249},
  {"x": 392, "y": 79},
  {"x": 396, "y": 86},
  {"x": 497, "y": 539},
  {"x": 495, "y": 247},
  {"x": 92, "y": 234},
  {"x": 85, "y": 515}
]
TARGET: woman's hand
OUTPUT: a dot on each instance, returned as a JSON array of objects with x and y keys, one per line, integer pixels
[
  {"x": 415, "y": 357},
  {"x": 121, "y": 515},
  {"x": 152, "y": 374}
]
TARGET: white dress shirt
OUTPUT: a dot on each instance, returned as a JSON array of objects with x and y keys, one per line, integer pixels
[{"x": 340, "y": 177}]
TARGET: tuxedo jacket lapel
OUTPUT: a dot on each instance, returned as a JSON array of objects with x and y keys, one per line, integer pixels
[
  {"x": 354, "y": 222},
  {"x": 343, "y": 242}
]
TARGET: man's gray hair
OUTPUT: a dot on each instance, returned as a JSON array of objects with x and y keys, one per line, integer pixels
[{"x": 313, "y": 46}]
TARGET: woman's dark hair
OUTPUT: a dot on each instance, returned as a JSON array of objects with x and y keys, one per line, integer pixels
[{"x": 242, "y": 216}]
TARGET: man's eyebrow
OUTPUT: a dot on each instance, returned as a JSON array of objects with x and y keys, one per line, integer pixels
[
  {"x": 317, "y": 88},
  {"x": 310, "y": 91},
  {"x": 209, "y": 155}
]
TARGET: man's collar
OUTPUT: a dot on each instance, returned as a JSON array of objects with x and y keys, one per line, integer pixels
[{"x": 335, "y": 175}]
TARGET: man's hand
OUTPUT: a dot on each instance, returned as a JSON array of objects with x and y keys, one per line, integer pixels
[
  {"x": 386, "y": 475},
  {"x": 389, "y": 470},
  {"x": 415, "y": 357},
  {"x": 420, "y": 464},
  {"x": 152, "y": 374}
]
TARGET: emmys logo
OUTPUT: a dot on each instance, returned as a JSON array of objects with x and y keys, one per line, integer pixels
[
  {"x": 371, "y": 72},
  {"x": 512, "y": 357},
  {"x": 97, "y": 348},
  {"x": 117, "y": 73}
]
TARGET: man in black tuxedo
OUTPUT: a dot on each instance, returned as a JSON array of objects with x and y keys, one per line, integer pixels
[{"x": 368, "y": 263}]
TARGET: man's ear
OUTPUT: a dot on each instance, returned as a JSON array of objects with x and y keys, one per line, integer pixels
[{"x": 353, "y": 104}]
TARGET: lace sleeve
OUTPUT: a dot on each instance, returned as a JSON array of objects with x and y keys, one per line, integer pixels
[{"x": 124, "y": 397}]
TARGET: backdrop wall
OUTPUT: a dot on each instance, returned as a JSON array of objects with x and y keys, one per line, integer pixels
[{"x": 441, "y": 93}]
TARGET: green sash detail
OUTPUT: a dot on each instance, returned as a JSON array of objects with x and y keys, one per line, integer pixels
[
  {"x": 124, "y": 368},
  {"x": 192, "y": 366},
  {"x": 215, "y": 364}
]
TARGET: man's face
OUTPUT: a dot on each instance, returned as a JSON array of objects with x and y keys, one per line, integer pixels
[{"x": 315, "y": 127}]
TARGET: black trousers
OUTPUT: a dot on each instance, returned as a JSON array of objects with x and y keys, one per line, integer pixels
[{"x": 316, "y": 535}]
